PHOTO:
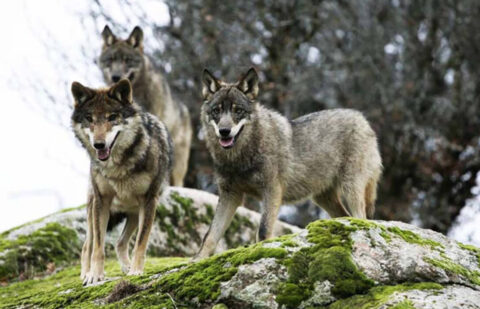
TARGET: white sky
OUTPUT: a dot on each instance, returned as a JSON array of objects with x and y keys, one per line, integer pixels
[{"x": 42, "y": 167}]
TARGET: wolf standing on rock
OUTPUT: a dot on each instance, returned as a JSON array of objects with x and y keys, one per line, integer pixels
[
  {"x": 131, "y": 157},
  {"x": 330, "y": 156},
  {"x": 125, "y": 59}
]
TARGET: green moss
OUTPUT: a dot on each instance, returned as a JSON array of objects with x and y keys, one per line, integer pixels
[
  {"x": 180, "y": 216},
  {"x": 201, "y": 280},
  {"x": 64, "y": 289},
  {"x": 291, "y": 294},
  {"x": 378, "y": 296},
  {"x": 412, "y": 237},
  {"x": 329, "y": 259},
  {"x": 472, "y": 249},
  {"x": 406, "y": 304},
  {"x": 30, "y": 254},
  {"x": 454, "y": 268}
]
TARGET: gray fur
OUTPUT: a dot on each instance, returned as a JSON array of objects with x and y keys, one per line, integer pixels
[
  {"x": 330, "y": 156},
  {"x": 129, "y": 180},
  {"x": 125, "y": 59}
]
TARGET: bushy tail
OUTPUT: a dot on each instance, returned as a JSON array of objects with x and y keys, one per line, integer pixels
[{"x": 371, "y": 196}]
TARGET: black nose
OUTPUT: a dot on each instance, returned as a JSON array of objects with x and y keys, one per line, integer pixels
[
  {"x": 224, "y": 132},
  {"x": 99, "y": 145},
  {"x": 115, "y": 78}
]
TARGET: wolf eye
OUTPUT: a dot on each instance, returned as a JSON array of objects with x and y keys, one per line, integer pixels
[
  {"x": 112, "y": 117},
  {"x": 216, "y": 110},
  {"x": 89, "y": 118},
  {"x": 238, "y": 111}
]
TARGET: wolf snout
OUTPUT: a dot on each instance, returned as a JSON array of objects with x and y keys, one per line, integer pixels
[
  {"x": 224, "y": 132},
  {"x": 116, "y": 78},
  {"x": 99, "y": 145}
]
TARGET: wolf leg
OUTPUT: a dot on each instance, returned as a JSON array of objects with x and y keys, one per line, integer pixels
[
  {"x": 181, "y": 155},
  {"x": 271, "y": 205},
  {"x": 331, "y": 203},
  {"x": 121, "y": 248},
  {"x": 354, "y": 196},
  {"x": 227, "y": 205},
  {"x": 87, "y": 245},
  {"x": 146, "y": 217},
  {"x": 100, "y": 215},
  {"x": 371, "y": 196}
]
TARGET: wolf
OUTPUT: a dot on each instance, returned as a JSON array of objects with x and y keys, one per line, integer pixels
[
  {"x": 126, "y": 59},
  {"x": 330, "y": 156},
  {"x": 131, "y": 159}
]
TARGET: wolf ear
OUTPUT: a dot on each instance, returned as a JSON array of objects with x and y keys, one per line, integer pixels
[
  {"x": 108, "y": 36},
  {"x": 122, "y": 91},
  {"x": 136, "y": 37},
  {"x": 248, "y": 84},
  {"x": 210, "y": 84},
  {"x": 81, "y": 93}
]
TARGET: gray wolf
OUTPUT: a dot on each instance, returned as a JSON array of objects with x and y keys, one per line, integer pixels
[
  {"x": 131, "y": 158},
  {"x": 330, "y": 156},
  {"x": 126, "y": 59}
]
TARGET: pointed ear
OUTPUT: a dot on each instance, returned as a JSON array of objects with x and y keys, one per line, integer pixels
[
  {"x": 210, "y": 84},
  {"x": 108, "y": 36},
  {"x": 136, "y": 37},
  {"x": 122, "y": 91},
  {"x": 248, "y": 84},
  {"x": 81, "y": 93}
]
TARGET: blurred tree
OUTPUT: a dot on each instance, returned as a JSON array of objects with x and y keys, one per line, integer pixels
[{"x": 410, "y": 66}]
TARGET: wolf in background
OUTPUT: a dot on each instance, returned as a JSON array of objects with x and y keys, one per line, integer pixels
[
  {"x": 131, "y": 156},
  {"x": 126, "y": 59},
  {"x": 330, "y": 156}
]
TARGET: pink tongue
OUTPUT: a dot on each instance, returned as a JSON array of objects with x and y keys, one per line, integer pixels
[
  {"x": 103, "y": 153},
  {"x": 226, "y": 142}
]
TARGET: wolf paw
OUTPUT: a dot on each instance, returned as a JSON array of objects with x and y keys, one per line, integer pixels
[
  {"x": 135, "y": 272},
  {"x": 91, "y": 278}
]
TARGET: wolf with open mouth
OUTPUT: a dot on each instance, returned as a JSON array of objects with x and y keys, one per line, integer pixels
[
  {"x": 329, "y": 156},
  {"x": 131, "y": 158}
]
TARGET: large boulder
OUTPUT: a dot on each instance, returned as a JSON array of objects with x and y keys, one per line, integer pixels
[
  {"x": 336, "y": 263},
  {"x": 182, "y": 219}
]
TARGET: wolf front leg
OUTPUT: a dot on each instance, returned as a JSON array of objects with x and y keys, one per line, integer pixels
[
  {"x": 87, "y": 245},
  {"x": 146, "y": 217},
  {"x": 100, "y": 214},
  {"x": 271, "y": 204},
  {"x": 228, "y": 203},
  {"x": 121, "y": 248}
]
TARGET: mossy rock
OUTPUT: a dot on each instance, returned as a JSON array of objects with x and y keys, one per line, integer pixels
[
  {"x": 340, "y": 263},
  {"x": 182, "y": 218}
]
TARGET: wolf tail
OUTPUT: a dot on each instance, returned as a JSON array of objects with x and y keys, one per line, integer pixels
[{"x": 371, "y": 196}]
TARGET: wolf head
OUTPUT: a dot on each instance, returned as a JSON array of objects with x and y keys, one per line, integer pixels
[
  {"x": 99, "y": 116},
  {"x": 228, "y": 107},
  {"x": 122, "y": 58}
]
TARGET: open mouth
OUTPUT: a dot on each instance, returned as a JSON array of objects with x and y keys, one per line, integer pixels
[
  {"x": 104, "y": 154},
  {"x": 228, "y": 142}
]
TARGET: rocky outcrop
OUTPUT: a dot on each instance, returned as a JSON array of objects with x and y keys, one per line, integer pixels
[
  {"x": 182, "y": 218},
  {"x": 341, "y": 263}
]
